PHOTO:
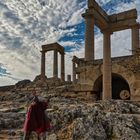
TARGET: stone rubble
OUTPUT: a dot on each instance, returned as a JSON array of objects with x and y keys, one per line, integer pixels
[{"x": 73, "y": 119}]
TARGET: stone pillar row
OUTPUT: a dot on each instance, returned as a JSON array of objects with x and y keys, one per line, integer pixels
[
  {"x": 55, "y": 65},
  {"x": 89, "y": 54}
]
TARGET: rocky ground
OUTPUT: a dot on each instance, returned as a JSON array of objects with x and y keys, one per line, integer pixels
[{"x": 73, "y": 118}]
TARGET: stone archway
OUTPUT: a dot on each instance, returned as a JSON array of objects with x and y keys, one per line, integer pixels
[
  {"x": 98, "y": 89},
  {"x": 120, "y": 88}
]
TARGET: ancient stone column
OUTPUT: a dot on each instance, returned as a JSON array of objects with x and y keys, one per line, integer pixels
[
  {"x": 43, "y": 64},
  {"x": 62, "y": 67},
  {"x": 55, "y": 64},
  {"x": 89, "y": 37},
  {"x": 135, "y": 39},
  {"x": 107, "y": 78},
  {"x": 74, "y": 71}
]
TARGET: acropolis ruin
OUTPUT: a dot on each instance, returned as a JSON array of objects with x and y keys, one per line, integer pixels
[
  {"x": 110, "y": 78},
  {"x": 104, "y": 79}
]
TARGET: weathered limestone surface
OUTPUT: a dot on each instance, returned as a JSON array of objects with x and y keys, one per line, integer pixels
[
  {"x": 73, "y": 118},
  {"x": 128, "y": 67}
]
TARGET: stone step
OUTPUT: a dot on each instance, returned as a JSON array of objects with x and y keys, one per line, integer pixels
[
  {"x": 11, "y": 138},
  {"x": 14, "y": 134}
]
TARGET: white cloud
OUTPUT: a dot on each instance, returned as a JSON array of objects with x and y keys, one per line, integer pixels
[
  {"x": 26, "y": 25},
  {"x": 67, "y": 43},
  {"x": 6, "y": 81}
]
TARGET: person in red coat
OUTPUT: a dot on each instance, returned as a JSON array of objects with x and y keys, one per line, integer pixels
[{"x": 36, "y": 119}]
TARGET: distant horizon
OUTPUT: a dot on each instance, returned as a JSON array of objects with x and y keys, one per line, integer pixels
[{"x": 25, "y": 26}]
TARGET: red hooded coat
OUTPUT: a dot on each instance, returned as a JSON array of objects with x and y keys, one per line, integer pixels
[{"x": 36, "y": 119}]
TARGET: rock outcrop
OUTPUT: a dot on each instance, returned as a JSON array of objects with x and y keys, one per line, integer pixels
[{"x": 74, "y": 119}]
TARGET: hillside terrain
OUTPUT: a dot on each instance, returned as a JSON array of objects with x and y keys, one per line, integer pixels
[{"x": 73, "y": 118}]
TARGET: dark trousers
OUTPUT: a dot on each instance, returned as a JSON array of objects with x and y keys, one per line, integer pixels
[{"x": 27, "y": 136}]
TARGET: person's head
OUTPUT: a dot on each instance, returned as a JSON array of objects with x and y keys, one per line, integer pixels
[
  {"x": 34, "y": 92},
  {"x": 35, "y": 99},
  {"x": 32, "y": 97}
]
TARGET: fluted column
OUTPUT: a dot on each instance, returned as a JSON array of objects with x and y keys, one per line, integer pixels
[
  {"x": 89, "y": 37},
  {"x": 135, "y": 39},
  {"x": 43, "y": 64},
  {"x": 62, "y": 67},
  {"x": 107, "y": 78},
  {"x": 55, "y": 64}
]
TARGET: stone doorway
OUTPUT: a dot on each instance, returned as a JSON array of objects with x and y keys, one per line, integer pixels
[{"x": 120, "y": 88}]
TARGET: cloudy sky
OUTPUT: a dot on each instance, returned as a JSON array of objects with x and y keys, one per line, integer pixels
[{"x": 26, "y": 25}]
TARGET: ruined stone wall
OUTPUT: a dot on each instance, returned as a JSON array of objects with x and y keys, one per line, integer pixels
[{"x": 127, "y": 67}]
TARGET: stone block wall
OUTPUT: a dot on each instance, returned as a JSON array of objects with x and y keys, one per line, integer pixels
[{"x": 127, "y": 67}]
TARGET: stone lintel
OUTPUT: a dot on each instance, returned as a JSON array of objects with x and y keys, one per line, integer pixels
[
  {"x": 120, "y": 21},
  {"x": 122, "y": 25},
  {"x": 123, "y": 16},
  {"x": 107, "y": 31},
  {"x": 100, "y": 21},
  {"x": 76, "y": 59},
  {"x": 53, "y": 46},
  {"x": 136, "y": 26},
  {"x": 92, "y": 4}
]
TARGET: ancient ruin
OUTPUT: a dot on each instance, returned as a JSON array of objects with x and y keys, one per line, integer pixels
[
  {"x": 56, "y": 48},
  {"x": 81, "y": 108},
  {"x": 112, "y": 79}
]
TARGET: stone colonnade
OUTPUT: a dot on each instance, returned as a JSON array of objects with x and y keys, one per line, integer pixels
[
  {"x": 89, "y": 49},
  {"x": 55, "y": 62}
]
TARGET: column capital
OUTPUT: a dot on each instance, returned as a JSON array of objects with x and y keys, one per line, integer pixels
[
  {"x": 107, "y": 31},
  {"x": 88, "y": 15},
  {"x": 62, "y": 53},
  {"x": 136, "y": 26},
  {"x": 43, "y": 51}
]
